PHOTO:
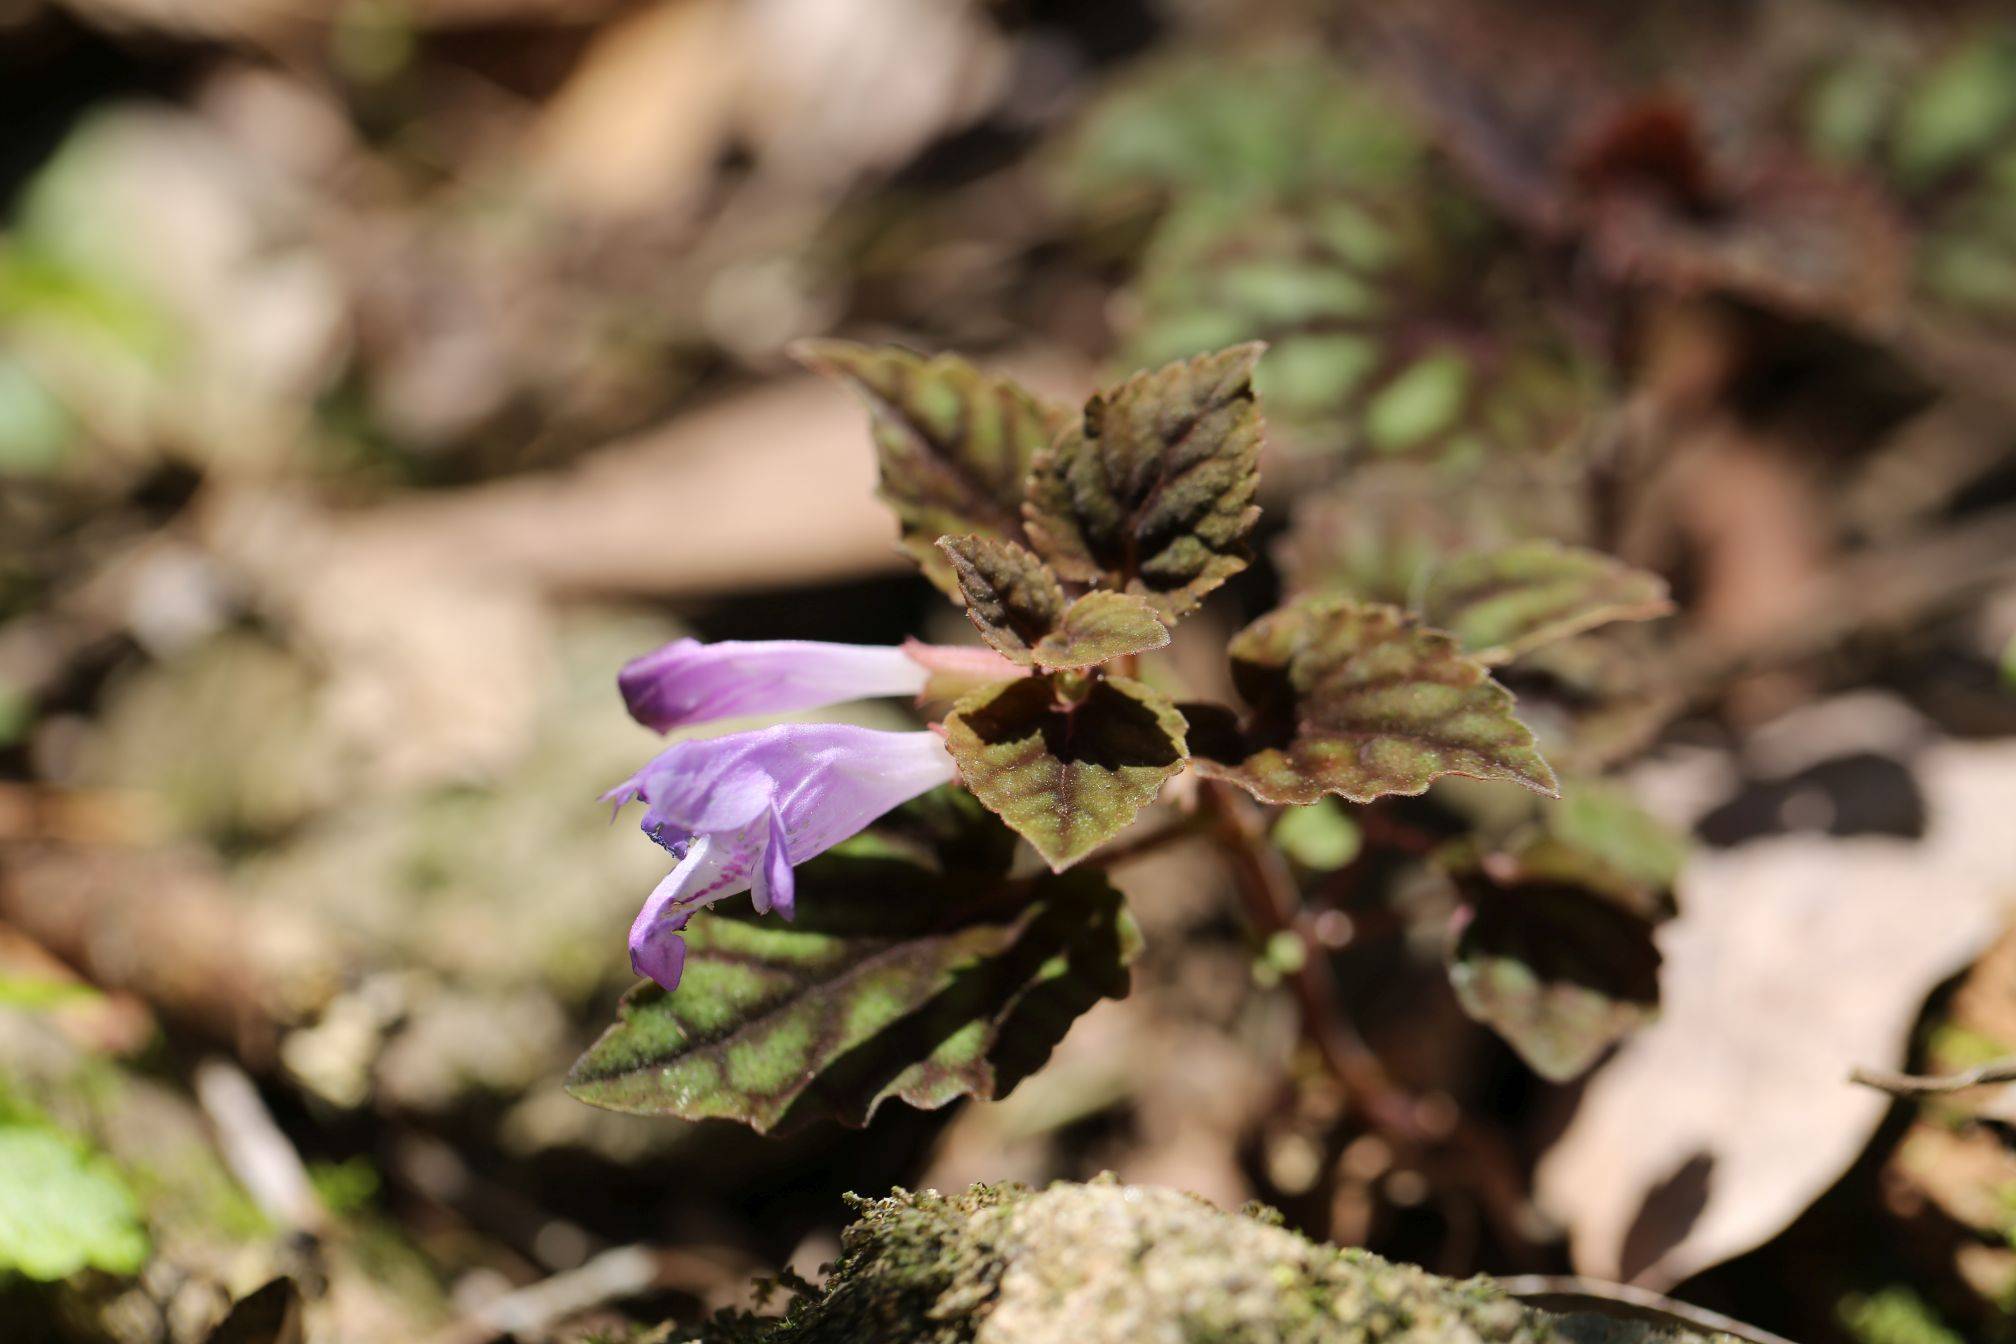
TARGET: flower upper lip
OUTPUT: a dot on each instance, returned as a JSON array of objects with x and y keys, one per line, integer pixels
[{"x": 688, "y": 682}]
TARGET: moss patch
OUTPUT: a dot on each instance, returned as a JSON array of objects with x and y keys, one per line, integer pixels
[{"x": 1106, "y": 1263}]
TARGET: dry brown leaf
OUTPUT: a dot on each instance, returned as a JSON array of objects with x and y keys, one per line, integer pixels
[
  {"x": 772, "y": 486},
  {"x": 836, "y": 90},
  {"x": 1793, "y": 960},
  {"x": 637, "y": 126},
  {"x": 1948, "y": 1178}
]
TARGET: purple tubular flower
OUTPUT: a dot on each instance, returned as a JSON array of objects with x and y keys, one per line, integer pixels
[
  {"x": 739, "y": 811},
  {"x": 688, "y": 682}
]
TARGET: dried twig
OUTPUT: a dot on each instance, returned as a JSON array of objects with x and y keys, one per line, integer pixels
[
  {"x": 1267, "y": 889},
  {"x": 259, "y": 1153},
  {"x": 611, "y": 1276},
  {"x": 1921, "y": 1085}
]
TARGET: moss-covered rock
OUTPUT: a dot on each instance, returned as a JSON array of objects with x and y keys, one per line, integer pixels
[{"x": 1107, "y": 1263}]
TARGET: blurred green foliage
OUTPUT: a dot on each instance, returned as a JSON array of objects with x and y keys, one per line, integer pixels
[{"x": 64, "y": 1207}]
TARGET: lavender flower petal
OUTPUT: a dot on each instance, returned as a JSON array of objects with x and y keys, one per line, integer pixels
[
  {"x": 744, "y": 808},
  {"x": 688, "y": 682},
  {"x": 656, "y": 949},
  {"x": 773, "y": 886}
]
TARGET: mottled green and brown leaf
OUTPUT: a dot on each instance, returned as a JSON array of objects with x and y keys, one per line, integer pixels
[
  {"x": 1559, "y": 972},
  {"x": 1066, "y": 775},
  {"x": 895, "y": 980},
  {"x": 1359, "y": 700},
  {"x": 1151, "y": 491},
  {"x": 1555, "y": 950},
  {"x": 1099, "y": 627},
  {"x": 1387, "y": 327},
  {"x": 1011, "y": 598},
  {"x": 1021, "y": 610},
  {"x": 953, "y": 443},
  {"x": 1502, "y": 603}
]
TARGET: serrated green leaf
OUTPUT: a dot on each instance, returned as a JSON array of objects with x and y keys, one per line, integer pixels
[
  {"x": 63, "y": 1208},
  {"x": 1151, "y": 492},
  {"x": 894, "y": 980},
  {"x": 1011, "y": 598},
  {"x": 1560, "y": 973},
  {"x": 1502, "y": 603},
  {"x": 1066, "y": 776},
  {"x": 1556, "y": 950},
  {"x": 1100, "y": 627},
  {"x": 1360, "y": 701},
  {"x": 1020, "y": 609},
  {"x": 953, "y": 443}
]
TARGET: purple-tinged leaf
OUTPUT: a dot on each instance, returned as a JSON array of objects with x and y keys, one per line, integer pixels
[
  {"x": 953, "y": 444},
  {"x": 1151, "y": 492},
  {"x": 1012, "y": 599},
  {"x": 1360, "y": 701},
  {"x": 896, "y": 980},
  {"x": 1100, "y": 627},
  {"x": 1019, "y": 607},
  {"x": 1558, "y": 971},
  {"x": 1066, "y": 774},
  {"x": 1503, "y": 603}
]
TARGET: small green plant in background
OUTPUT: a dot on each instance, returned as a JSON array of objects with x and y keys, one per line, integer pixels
[{"x": 64, "y": 1207}]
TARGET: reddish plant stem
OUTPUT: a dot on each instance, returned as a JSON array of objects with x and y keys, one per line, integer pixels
[
  {"x": 1267, "y": 890},
  {"x": 1464, "y": 1151}
]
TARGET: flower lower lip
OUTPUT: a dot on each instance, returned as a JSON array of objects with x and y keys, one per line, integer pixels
[{"x": 741, "y": 810}]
